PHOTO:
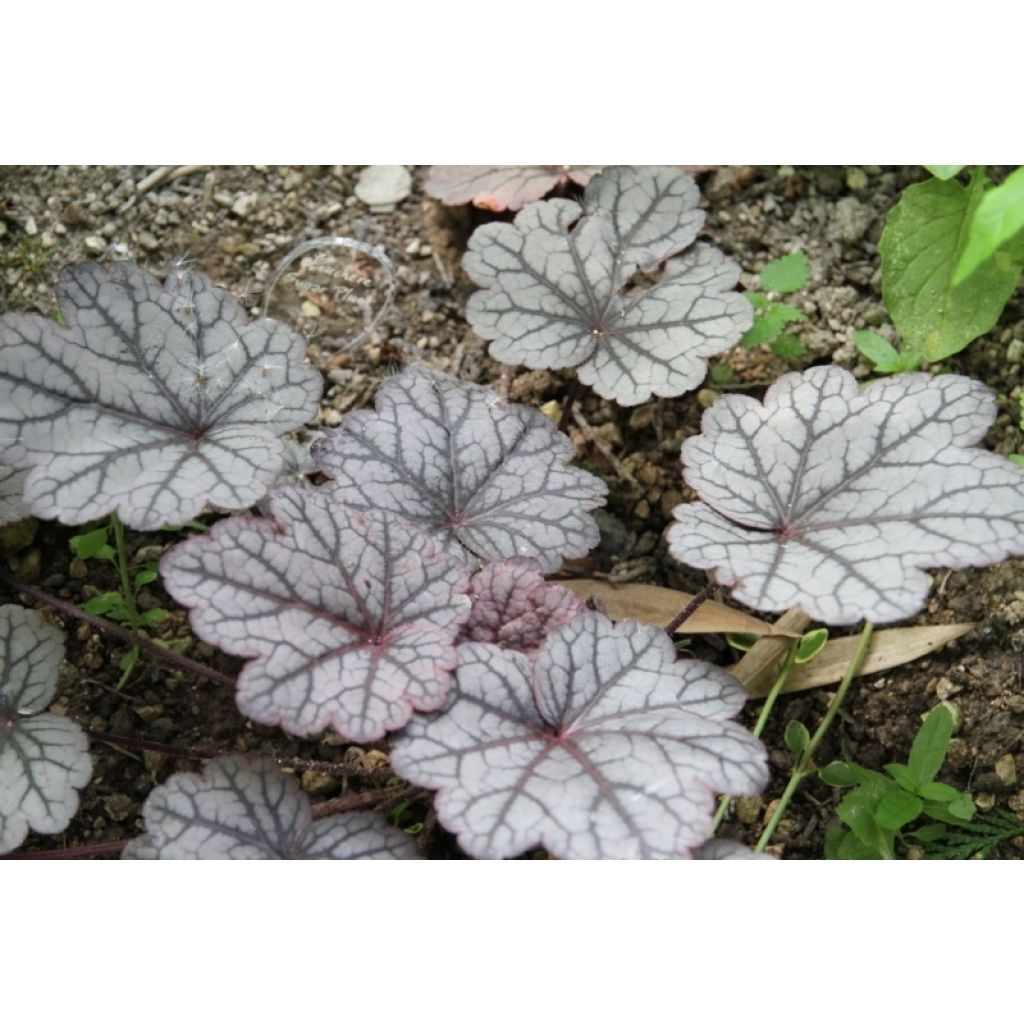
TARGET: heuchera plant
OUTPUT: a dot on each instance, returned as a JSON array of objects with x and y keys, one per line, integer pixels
[
  {"x": 153, "y": 401},
  {"x": 500, "y": 188},
  {"x": 557, "y": 287},
  {"x": 12, "y": 486},
  {"x": 44, "y": 758}
]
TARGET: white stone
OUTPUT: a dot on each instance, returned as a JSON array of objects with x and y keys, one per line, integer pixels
[{"x": 383, "y": 184}]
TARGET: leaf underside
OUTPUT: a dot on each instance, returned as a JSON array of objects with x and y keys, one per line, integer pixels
[
  {"x": 154, "y": 401},
  {"x": 837, "y": 499},
  {"x": 485, "y": 478},
  {"x": 248, "y": 809},
  {"x": 602, "y": 745},
  {"x": 350, "y": 617},
  {"x": 12, "y": 487},
  {"x": 555, "y": 287},
  {"x": 44, "y": 757},
  {"x": 500, "y": 188}
]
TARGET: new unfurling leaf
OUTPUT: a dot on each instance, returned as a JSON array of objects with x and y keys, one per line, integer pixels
[{"x": 500, "y": 188}]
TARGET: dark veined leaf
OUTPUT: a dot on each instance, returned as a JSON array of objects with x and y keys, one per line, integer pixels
[
  {"x": 837, "y": 499},
  {"x": 602, "y": 745},
  {"x": 44, "y": 758},
  {"x": 514, "y": 607},
  {"x": 555, "y": 287},
  {"x": 12, "y": 487},
  {"x": 500, "y": 188},
  {"x": 727, "y": 849},
  {"x": 485, "y": 478},
  {"x": 350, "y": 617},
  {"x": 153, "y": 401},
  {"x": 247, "y": 809}
]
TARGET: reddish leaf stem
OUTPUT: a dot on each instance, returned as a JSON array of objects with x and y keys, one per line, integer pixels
[{"x": 698, "y": 599}]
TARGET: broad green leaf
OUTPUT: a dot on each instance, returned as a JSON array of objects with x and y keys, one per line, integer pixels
[
  {"x": 811, "y": 644},
  {"x": 904, "y": 776},
  {"x": 930, "y": 745},
  {"x": 797, "y": 737},
  {"x": 851, "y": 848},
  {"x": 837, "y": 774},
  {"x": 924, "y": 235},
  {"x": 770, "y": 323},
  {"x": 89, "y": 545},
  {"x": 928, "y": 833},
  {"x": 897, "y": 809},
  {"x": 938, "y": 791},
  {"x": 944, "y": 171},
  {"x": 788, "y": 274},
  {"x": 857, "y": 809},
  {"x": 788, "y": 347},
  {"x": 997, "y": 221}
]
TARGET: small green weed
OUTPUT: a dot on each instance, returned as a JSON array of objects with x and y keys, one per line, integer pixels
[{"x": 780, "y": 277}]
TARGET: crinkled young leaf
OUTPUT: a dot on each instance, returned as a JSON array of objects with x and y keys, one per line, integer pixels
[
  {"x": 44, "y": 758},
  {"x": 350, "y": 617},
  {"x": 154, "y": 401},
  {"x": 482, "y": 476},
  {"x": 836, "y": 499},
  {"x": 240, "y": 808},
  {"x": 514, "y": 607},
  {"x": 500, "y": 188},
  {"x": 555, "y": 287},
  {"x": 601, "y": 745},
  {"x": 12, "y": 487}
]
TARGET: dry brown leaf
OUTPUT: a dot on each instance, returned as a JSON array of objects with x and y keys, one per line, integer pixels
[{"x": 659, "y": 605}]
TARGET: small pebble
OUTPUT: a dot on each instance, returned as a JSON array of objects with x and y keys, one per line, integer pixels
[
  {"x": 96, "y": 244},
  {"x": 383, "y": 184},
  {"x": 1006, "y": 770},
  {"x": 245, "y": 204}
]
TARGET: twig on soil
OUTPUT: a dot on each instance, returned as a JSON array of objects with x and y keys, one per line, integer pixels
[{"x": 696, "y": 601}]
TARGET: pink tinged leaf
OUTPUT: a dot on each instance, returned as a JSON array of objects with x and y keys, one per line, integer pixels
[
  {"x": 12, "y": 487},
  {"x": 500, "y": 188},
  {"x": 485, "y": 478},
  {"x": 514, "y": 607},
  {"x": 44, "y": 757},
  {"x": 836, "y": 499},
  {"x": 350, "y": 618},
  {"x": 555, "y": 287},
  {"x": 600, "y": 746},
  {"x": 154, "y": 401},
  {"x": 243, "y": 808}
]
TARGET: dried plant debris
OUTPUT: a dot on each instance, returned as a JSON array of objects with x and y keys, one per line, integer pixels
[
  {"x": 837, "y": 499},
  {"x": 556, "y": 287},
  {"x": 12, "y": 487},
  {"x": 44, "y": 758},
  {"x": 486, "y": 478},
  {"x": 500, "y": 188},
  {"x": 153, "y": 401},
  {"x": 350, "y": 617},
  {"x": 603, "y": 745},
  {"x": 247, "y": 809},
  {"x": 514, "y": 607}
]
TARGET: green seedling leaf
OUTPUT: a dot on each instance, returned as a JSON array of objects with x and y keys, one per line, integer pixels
[
  {"x": 897, "y": 809},
  {"x": 797, "y": 737},
  {"x": 904, "y": 777},
  {"x": 857, "y": 810},
  {"x": 880, "y": 352},
  {"x": 104, "y": 604},
  {"x": 920, "y": 247},
  {"x": 928, "y": 833},
  {"x": 145, "y": 576},
  {"x": 944, "y": 171},
  {"x": 938, "y": 791},
  {"x": 1019, "y": 459},
  {"x": 837, "y": 774},
  {"x": 996, "y": 224},
  {"x": 953, "y": 812},
  {"x": 930, "y": 745},
  {"x": 721, "y": 373},
  {"x": 811, "y": 644},
  {"x": 961, "y": 807},
  {"x": 770, "y": 323},
  {"x": 741, "y": 641},
  {"x": 788, "y": 347},
  {"x": 127, "y": 662},
  {"x": 785, "y": 275},
  {"x": 91, "y": 544},
  {"x": 153, "y": 616}
]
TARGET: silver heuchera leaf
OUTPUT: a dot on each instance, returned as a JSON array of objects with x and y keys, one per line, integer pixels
[
  {"x": 727, "y": 849},
  {"x": 555, "y": 287},
  {"x": 836, "y": 499},
  {"x": 248, "y": 809},
  {"x": 154, "y": 401},
  {"x": 350, "y": 618},
  {"x": 514, "y": 607},
  {"x": 482, "y": 476},
  {"x": 12, "y": 486},
  {"x": 500, "y": 188},
  {"x": 44, "y": 758},
  {"x": 600, "y": 746}
]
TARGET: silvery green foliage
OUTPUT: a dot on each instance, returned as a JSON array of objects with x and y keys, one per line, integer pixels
[
  {"x": 836, "y": 499},
  {"x": 296, "y": 468},
  {"x": 350, "y": 618},
  {"x": 12, "y": 486},
  {"x": 602, "y": 745},
  {"x": 500, "y": 188},
  {"x": 484, "y": 477},
  {"x": 514, "y": 607},
  {"x": 154, "y": 401},
  {"x": 555, "y": 287},
  {"x": 247, "y": 809},
  {"x": 44, "y": 758},
  {"x": 727, "y": 849}
]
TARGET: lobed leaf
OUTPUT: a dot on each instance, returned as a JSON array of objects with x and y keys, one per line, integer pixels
[
  {"x": 483, "y": 477},
  {"x": 350, "y": 618},
  {"x": 601, "y": 745},
  {"x": 500, "y": 188},
  {"x": 154, "y": 401},
  {"x": 555, "y": 287},
  {"x": 248, "y": 809},
  {"x": 12, "y": 487},
  {"x": 836, "y": 499},
  {"x": 44, "y": 757},
  {"x": 514, "y": 607}
]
